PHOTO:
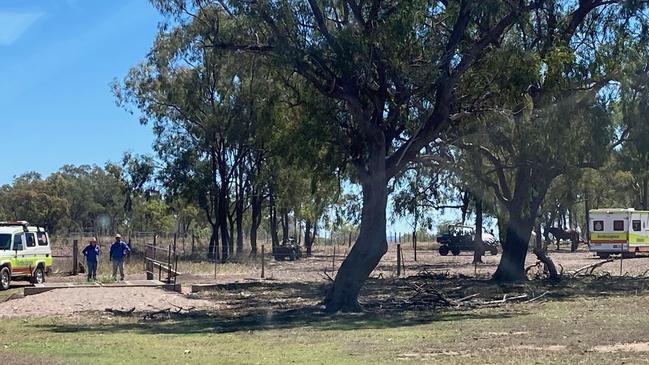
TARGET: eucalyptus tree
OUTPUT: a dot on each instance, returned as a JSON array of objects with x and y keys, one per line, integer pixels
[
  {"x": 393, "y": 68},
  {"x": 205, "y": 120},
  {"x": 551, "y": 114},
  {"x": 633, "y": 112},
  {"x": 32, "y": 198}
]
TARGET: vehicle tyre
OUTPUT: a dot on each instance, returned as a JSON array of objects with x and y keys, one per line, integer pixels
[
  {"x": 39, "y": 276},
  {"x": 455, "y": 251},
  {"x": 493, "y": 251},
  {"x": 5, "y": 278},
  {"x": 279, "y": 258},
  {"x": 604, "y": 255},
  {"x": 443, "y": 250},
  {"x": 292, "y": 256}
]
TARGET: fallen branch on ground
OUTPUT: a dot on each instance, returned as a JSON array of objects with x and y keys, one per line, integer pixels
[
  {"x": 119, "y": 312},
  {"x": 590, "y": 268},
  {"x": 505, "y": 299},
  {"x": 179, "y": 308},
  {"x": 467, "y": 298},
  {"x": 537, "y": 297}
]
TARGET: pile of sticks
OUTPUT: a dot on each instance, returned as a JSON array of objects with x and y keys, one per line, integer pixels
[{"x": 426, "y": 297}]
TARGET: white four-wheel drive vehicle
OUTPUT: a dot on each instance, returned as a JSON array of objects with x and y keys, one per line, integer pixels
[{"x": 25, "y": 253}]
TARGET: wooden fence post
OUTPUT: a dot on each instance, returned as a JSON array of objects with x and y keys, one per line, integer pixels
[
  {"x": 148, "y": 257},
  {"x": 75, "y": 257},
  {"x": 263, "y": 259},
  {"x": 414, "y": 243},
  {"x": 398, "y": 259}
]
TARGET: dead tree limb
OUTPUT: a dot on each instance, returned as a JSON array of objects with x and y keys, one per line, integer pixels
[
  {"x": 119, "y": 312},
  {"x": 549, "y": 264},
  {"x": 536, "y": 297},
  {"x": 467, "y": 298},
  {"x": 505, "y": 299},
  {"x": 591, "y": 268}
]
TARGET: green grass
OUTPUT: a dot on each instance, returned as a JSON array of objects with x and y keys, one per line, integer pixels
[{"x": 561, "y": 332}]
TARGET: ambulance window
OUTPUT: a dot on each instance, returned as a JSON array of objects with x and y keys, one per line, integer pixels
[
  {"x": 598, "y": 225},
  {"x": 42, "y": 238},
  {"x": 5, "y": 241},
  {"x": 18, "y": 242},
  {"x": 618, "y": 225},
  {"x": 30, "y": 240},
  {"x": 636, "y": 226}
]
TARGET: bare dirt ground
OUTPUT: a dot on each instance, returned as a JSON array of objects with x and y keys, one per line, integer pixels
[
  {"x": 304, "y": 281},
  {"x": 74, "y": 301},
  {"x": 324, "y": 264}
]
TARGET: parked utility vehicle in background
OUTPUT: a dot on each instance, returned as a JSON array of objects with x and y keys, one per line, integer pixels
[
  {"x": 25, "y": 253},
  {"x": 618, "y": 231},
  {"x": 288, "y": 250},
  {"x": 459, "y": 238}
]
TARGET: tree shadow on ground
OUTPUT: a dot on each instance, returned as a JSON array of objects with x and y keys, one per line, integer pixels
[
  {"x": 389, "y": 303},
  {"x": 307, "y": 317}
]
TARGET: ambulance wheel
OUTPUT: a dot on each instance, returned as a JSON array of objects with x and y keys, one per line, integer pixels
[
  {"x": 455, "y": 251},
  {"x": 443, "y": 250},
  {"x": 39, "y": 276},
  {"x": 604, "y": 255},
  {"x": 5, "y": 278}
]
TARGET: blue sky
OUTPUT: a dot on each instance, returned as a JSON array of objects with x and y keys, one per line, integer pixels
[{"x": 57, "y": 59}]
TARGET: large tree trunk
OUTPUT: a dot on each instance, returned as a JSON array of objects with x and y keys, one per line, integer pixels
[
  {"x": 308, "y": 243},
  {"x": 285, "y": 225},
  {"x": 512, "y": 262},
  {"x": 371, "y": 244},
  {"x": 524, "y": 207},
  {"x": 315, "y": 232}
]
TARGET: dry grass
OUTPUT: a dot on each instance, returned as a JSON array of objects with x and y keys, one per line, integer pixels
[{"x": 276, "y": 323}]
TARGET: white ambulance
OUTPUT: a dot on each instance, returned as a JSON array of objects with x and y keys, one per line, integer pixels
[{"x": 618, "y": 231}]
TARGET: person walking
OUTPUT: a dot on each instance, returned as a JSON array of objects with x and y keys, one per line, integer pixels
[
  {"x": 91, "y": 252},
  {"x": 118, "y": 250}
]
